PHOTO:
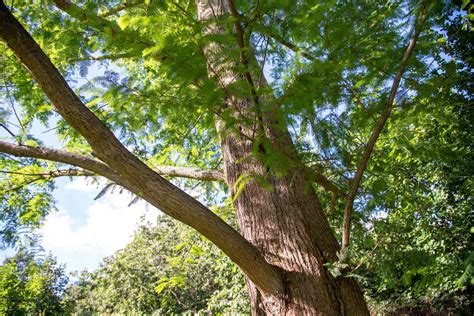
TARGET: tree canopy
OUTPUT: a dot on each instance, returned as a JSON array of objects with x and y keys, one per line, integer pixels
[{"x": 376, "y": 96}]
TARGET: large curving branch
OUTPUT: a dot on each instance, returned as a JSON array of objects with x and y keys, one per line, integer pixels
[
  {"x": 133, "y": 173},
  {"x": 346, "y": 229},
  {"x": 99, "y": 167}
]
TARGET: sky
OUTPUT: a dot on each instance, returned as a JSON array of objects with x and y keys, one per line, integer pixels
[{"x": 83, "y": 231}]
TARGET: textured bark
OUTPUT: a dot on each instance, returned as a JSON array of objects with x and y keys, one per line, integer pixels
[
  {"x": 289, "y": 227},
  {"x": 191, "y": 173},
  {"x": 287, "y": 224}
]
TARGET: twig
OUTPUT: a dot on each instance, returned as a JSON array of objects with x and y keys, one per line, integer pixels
[{"x": 8, "y": 130}]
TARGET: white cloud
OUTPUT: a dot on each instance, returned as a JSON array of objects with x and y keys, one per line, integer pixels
[{"x": 108, "y": 226}]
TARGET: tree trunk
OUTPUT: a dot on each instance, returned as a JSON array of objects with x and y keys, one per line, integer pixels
[{"x": 287, "y": 222}]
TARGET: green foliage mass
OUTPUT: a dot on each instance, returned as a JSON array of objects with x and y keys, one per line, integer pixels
[
  {"x": 330, "y": 67},
  {"x": 418, "y": 208},
  {"x": 166, "y": 269},
  {"x": 31, "y": 284}
]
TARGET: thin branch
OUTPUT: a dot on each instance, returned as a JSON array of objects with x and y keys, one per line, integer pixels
[
  {"x": 53, "y": 173},
  {"x": 47, "y": 176},
  {"x": 191, "y": 173},
  {"x": 264, "y": 60},
  {"x": 378, "y": 129},
  {"x": 9, "y": 96},
  {"x": 8, "y": 130},
  {"x": 244, "y": 58},
  {"x": 100, "y": 168},
  {"x": 104, "y": 57},
  {"x": 61, "y": 156},
  {"x": 132, "y": 173},
  {"x": 318, "y": 177},
  {"x": 22, "y": 185},
  {"x": 243, "y": 51},
  {"x": 355, "y": 95},
  {"x": 332, "y": 204},
  {"x": 280, "y": 39},
  {"x": 326, "y": 183}
]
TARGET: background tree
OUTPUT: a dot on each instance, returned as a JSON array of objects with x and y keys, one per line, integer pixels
[
  {"x": 168, "y": 269},
  {"x": 31, "y": 284},
  {"x": 287, "y": 148}
]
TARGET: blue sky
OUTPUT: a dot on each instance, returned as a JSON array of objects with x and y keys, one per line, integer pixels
[{"x": 83, "y": 231}]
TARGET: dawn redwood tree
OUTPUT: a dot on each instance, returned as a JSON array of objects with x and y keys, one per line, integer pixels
[{"x": 213, "y": 53}]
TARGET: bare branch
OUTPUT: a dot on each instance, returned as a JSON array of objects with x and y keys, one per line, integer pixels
[
  {"x": 57, "y": 155},
  {"x": 53, "y": 174},
  {"x": 133, "y": 173},
  {"x": 100, "y": 168},
  {"x": 378, "y": 129},
  {"x": 4, "y": 126},
  {"x": 191, "y": 173}
]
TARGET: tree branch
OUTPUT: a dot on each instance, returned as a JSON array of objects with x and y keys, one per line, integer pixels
[
  {"x": 100, "y": 168},
  {"x": 4, "y": 126},
  {"x": 325, "y": 182},
  {"x": 378, "y": 129},
  {"x": 191, "y": 173},
  {"x": 104, "y": 57},
  {"x": 133, "y": 173},
  {"x": 280, "y": 39},
  {"x": 62, "y": 156},
  {"x": 47, "y": 176},
  {"x": 243, "y": 51},
  {"x": 53, "y": 173}
]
